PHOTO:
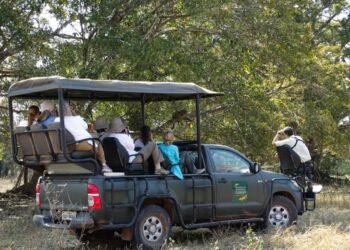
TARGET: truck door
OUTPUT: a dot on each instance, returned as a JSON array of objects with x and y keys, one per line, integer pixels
[{"x": 239, "y": 193}]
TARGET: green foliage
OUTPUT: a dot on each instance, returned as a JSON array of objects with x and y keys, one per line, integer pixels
[{"x": 278, "y": 62}]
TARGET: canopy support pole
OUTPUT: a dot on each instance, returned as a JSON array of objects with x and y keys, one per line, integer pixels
[
  {"x": 13, "y": 140},
  {"x": 198, "y": 122},
  {"x": 61, "y": 115},
  {"x": 143, "y": 118}
]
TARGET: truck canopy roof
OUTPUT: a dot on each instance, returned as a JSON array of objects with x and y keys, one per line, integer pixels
[{"x": 47, "y": 87}]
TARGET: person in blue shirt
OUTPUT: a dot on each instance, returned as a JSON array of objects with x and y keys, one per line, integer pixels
[{"x": 172, "y": 156}]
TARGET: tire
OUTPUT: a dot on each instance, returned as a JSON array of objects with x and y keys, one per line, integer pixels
[
  {"x": 152, "y": 227},
  {"x": 282, "y": 213}
]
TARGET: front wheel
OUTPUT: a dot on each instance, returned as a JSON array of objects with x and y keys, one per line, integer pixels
[
  {"x": 152, "y": 227},
  {"x": 282, "y": 213}
]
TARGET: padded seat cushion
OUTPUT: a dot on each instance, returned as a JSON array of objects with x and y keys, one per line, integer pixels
[{"x": 289, "y": 160}]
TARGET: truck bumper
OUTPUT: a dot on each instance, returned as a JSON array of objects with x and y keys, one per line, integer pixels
[{"x": 76, "y": 223}]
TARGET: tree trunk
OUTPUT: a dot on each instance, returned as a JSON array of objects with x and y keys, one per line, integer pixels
[
  {"x": 27, "y": 188},
  {"x": 25, "y": 176}
]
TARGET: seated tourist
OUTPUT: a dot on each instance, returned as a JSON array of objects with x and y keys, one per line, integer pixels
[
  {"x": 172, "y": 156},
  {"x": 78, "y": 128},
  {"x": 119, "y": 129},
  {"x": 32, "y": 117}
]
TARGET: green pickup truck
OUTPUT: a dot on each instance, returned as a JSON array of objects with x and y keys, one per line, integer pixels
[{"x": 142, "y": 207}]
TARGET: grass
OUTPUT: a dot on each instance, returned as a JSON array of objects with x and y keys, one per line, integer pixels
[{"x": 327, "y": 227}]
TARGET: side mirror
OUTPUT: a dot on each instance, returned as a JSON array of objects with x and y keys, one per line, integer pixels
[{"x": 255, "y": 168}]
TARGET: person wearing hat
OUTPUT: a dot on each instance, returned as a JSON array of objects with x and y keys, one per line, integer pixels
[
  {"x": 76, "y": 125},
  {"x": 100, "y": 126},
  {"x": 119, "y": 130}
]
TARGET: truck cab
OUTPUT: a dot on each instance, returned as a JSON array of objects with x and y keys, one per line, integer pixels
[{"x": 140, "y": 206}]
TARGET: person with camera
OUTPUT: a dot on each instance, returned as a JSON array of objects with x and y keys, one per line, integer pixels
[{"x": 286, "y": 136}]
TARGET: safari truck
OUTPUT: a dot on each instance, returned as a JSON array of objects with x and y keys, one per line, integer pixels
[{"x": 142, "y": 207}]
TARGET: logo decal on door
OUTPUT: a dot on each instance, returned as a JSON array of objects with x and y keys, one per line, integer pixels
[{"x": 239, "y": 191}]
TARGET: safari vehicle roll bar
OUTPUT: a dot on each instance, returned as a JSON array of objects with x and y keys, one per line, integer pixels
[{"x": 56, "y": 87}]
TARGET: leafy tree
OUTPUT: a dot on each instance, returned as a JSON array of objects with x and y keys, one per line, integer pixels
[{"x": 278, "y": 62}]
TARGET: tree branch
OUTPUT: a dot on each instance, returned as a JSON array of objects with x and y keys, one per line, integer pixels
[
  {"x": 284, "y": 87},
  {"x": 66, "y": 36},
  {"x": 59, "y": 29},
  {"x": 183, "y": 115},
  {"x": 190, "y": 30},
  {"x": 14, "y": 110},
  {"x": 118, "y": 16},
  {"x": 326, "y": 23},
  {"x": 4, "y": 45},
  {"x": 5, "y": 54}
]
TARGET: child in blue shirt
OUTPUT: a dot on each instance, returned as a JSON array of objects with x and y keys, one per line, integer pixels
[
  {"x": 171, "y": 154},
  {"x": 172, "y": 157}
]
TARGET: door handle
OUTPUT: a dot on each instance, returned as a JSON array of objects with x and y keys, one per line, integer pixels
[{"x": 223, "y": 180}]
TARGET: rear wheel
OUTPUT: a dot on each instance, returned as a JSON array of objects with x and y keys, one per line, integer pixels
[
  {"x": 152, "y": 227},
  {"x": 282, "y": 213}
]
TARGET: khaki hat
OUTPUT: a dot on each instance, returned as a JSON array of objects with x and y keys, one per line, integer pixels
[
  {"x": 117, "y": 125},
  {"x": 101, "y": 123}
]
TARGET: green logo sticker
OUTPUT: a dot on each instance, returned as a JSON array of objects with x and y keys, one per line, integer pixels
[{"x": 239, "y": 191}]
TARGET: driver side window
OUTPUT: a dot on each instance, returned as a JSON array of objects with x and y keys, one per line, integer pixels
[{"x": 226, "y": 161}]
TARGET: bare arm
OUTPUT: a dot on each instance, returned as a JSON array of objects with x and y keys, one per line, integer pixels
[{"x": 277, "y": 136}]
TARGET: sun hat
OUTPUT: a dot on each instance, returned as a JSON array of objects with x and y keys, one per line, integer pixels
[
  {"x": 101, "y": 123},
  {"x": 117, "y": 125}
]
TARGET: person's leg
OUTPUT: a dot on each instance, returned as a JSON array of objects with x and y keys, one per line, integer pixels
[
  {"x": 85, "y": 146},
  {"x": 188, "y": 163},
  {"x": 151, "y": 149},
  {"x": 100, "y": 153}
]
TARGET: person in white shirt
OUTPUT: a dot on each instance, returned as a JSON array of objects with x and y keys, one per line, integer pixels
[
  {"x": 78, "y": 128},
  {"x": 286, "y": 137},
  {"x": 119, "y": 130}
]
